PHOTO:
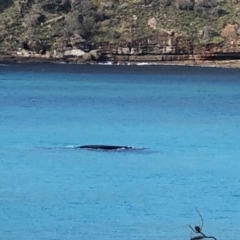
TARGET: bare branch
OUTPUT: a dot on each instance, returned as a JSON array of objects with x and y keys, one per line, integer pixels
[
  {"x": 192, "y": 229},
  {"x": 198, "y": 230},
  {"x": 201, "y": 218}
]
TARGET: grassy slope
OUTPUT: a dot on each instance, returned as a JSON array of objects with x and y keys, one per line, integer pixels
[{"x": 118, "y": 19}]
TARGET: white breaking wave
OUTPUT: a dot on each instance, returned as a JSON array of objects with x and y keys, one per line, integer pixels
[
  {"x": 71, "y": 146},
  {"x": 105, "y": 63}
]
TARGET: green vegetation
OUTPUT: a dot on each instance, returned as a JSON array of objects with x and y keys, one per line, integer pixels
[{"x": 44, "y": 25}]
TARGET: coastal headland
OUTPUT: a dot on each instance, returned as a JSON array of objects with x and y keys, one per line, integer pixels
[{"x": 175, "y": 32}]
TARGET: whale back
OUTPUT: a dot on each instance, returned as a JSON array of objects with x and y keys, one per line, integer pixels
[{"x": 105, "y": 147}]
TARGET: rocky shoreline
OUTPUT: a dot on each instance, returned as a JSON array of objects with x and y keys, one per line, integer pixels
[
  {"x": 189, "y": 33},
  {"x": 143, "y": 60},
  {"x": 152, "y": 50}
]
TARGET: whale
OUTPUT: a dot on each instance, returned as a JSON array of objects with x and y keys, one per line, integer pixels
[{"x": 106, "y": 147}]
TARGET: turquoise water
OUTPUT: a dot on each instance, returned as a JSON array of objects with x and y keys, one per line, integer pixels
[{"x": 188, "y": 119}]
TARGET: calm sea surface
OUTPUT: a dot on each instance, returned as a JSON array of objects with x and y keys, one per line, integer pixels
[{"x": 188, "y": 119}]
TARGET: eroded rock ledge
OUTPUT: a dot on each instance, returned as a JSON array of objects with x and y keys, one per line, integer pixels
[
  {"x": 121, "y": 31},
  {"x": 154, "y": 49}
]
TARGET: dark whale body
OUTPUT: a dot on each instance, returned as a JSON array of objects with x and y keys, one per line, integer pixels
[{"x": 105, "y": 147}]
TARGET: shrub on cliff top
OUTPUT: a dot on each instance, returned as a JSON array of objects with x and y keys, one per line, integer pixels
[
  {"x": 203, "y": 5},
  {"x": 184, "y": 4}
]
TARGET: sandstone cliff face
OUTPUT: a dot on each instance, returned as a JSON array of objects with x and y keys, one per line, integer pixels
[{"x": 120, "y": 30}]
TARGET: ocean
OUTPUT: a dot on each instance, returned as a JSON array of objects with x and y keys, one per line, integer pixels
[{"x": 183, "y": 121}]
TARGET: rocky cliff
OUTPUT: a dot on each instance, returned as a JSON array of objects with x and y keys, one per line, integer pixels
[{"x": 120, "y": 30}]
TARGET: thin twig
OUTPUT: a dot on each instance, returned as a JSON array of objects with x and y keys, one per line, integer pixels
[
  {"x": 201, "y": 218},
  {"x": 198, "y": 230},
  {"x": 192, "y": 229}
]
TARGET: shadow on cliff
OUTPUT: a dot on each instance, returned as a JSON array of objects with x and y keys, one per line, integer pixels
[{"x": 5, "y": 4}]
